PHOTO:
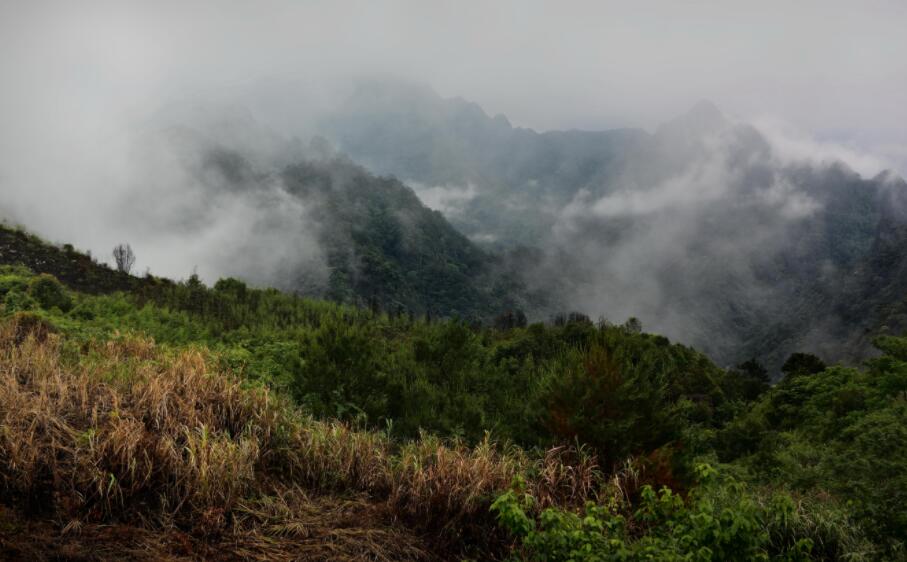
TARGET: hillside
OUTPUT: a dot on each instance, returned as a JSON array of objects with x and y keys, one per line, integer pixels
[
  {"x": 183, "y": 422},
  {"x": 76, "y": 269},
  {"x": 374, "y": 367},
  {"x": 384, "y": 248},
  {"x": 880, "y": 283}
]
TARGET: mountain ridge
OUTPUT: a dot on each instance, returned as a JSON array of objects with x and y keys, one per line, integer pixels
[{"x": 705, "y": 213}]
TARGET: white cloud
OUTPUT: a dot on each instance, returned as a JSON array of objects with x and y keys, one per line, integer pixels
[
  {"x": 448, "y": 199},
  {"x": 789, "y": 203},
  {"x": 792, "y": 145}
]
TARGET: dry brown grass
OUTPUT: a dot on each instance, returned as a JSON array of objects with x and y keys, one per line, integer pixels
[{"x": 197, "y": 466}]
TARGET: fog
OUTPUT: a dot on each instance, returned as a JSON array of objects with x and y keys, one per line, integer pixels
[
  {"x": 88, "y": 86},
  {"x": 822, "y": 65}
]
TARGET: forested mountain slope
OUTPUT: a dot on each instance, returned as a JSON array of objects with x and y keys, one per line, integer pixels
[{"x": 384, "y": 248}]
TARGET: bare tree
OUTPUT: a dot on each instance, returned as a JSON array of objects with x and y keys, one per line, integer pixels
[{"x": 124, "y": 257}]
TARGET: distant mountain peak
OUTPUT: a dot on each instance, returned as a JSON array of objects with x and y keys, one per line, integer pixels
[
  {"x": 704, "y": 118},
  {"x": 502, "y": 120},
  {"x": 890, "y": 177},
  {"x": 705, "y": 109},
  {"x": 385, "y": 89}
]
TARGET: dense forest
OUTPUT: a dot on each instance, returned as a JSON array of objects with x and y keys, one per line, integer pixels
[{"x": 154, "y": 419}]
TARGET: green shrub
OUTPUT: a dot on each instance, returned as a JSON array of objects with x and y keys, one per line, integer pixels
[
  {"x": 82, "y": 312},
  {"x": 49, "y": 293},
  {"x": 12, "y": 283},
  {"x": 15, "y": 271},
  {"x": 16, "y": 301},
  {"x": 721, "y": 521}
]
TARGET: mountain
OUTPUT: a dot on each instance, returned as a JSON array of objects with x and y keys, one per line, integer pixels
[
  {"x": 408, "y": 131},
  {"x": 704, "y": 229},
  {"x": 384, "y": 248},
  {"x": 125, "y": 398},
  {"x": 217, "y": 189}
]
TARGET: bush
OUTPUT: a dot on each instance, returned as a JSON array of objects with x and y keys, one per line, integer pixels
[
  {"x": 16, "y": 301},
  {"x": 12, "y": 283},
  {"x": 49, "y": 293},
  {"x": 720, "y": 520}
]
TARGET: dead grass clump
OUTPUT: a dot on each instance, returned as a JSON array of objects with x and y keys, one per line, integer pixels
[
  {"x": 446, "y": 489},
  {"x": 566, "y": 476},
  {"x": 332, "y": 456},
  {"x": 284, "y": 525},
  {"x": 175, "y": 438},
  {"x": 129, "y": 347},
  {"x": 29, "y": 324}
]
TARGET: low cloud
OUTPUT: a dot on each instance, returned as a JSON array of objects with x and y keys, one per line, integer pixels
[
  {"x": 792, "y": 146},
  {"x": 450, "y": 200},
  {"x": 689, "y": 253}
]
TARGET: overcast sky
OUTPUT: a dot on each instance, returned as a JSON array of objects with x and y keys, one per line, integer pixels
[
  {"x": 822, "y": 65},
  {"x": 74, "y": 74}
]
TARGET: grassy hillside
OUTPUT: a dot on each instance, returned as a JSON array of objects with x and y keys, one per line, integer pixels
[{"x": 176, "y": 421}]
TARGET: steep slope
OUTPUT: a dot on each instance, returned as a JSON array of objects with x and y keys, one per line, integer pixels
[
  {"x": 703, "y": 229},
  {"x": 875, "y": 298}
]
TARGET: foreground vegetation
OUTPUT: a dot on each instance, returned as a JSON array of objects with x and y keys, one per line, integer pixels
[{"x": 230, "y": 422}]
